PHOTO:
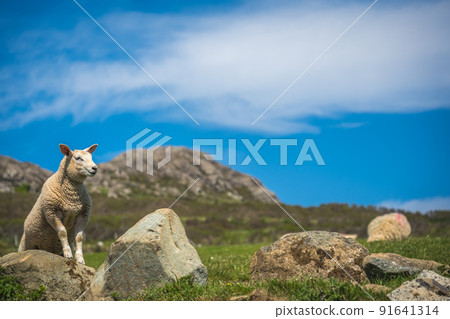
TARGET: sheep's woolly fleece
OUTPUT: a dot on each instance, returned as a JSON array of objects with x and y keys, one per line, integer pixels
[
  {"x": 393, "y": 226},
  {"x": 62, "y": 210}
]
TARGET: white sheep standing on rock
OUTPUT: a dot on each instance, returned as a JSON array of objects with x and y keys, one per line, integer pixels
[{"x": 63, "y": 208}]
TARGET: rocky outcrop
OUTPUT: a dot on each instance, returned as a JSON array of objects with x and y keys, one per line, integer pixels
[
  {"x": 388, "y": 265},
  {"x": 151, "y": 253},
  {"x": 26, "y": 176},
  {"x": 428, "y": 286},
  {"x": 63, "y": 278},
  {"x": 115, "y": 179},
  {"x": 393, "y": 226},
  {"x": 315, "y": 253}
]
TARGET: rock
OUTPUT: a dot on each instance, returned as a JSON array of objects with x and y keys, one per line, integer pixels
[
  {"x": 262, "y": 295},
  {"x": 377, "y": 288},
  {"x": 428, "y": 286},
  {"x": 352, "y": 236},
  {"x": 393, "y": 226},
  {"x": 257, "y": 295},
  {"x": 297, "y": 255},
  {"x": 192, "y": 243},
  {"x": 152, "y": 252},
  {"x": 388, "y": 265},
  {"x": 240, "y": 298},
  {"x": 115, "y": 179},
  {"x": 26, "y": 176},
  {"x": 63, "y": 278}
]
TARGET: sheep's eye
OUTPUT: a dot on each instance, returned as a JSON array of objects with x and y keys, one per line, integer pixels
[{"x": 78, "y": 158}]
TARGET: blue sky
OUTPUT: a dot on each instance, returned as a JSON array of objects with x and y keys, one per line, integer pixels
[{"x": 377, "y": 104}]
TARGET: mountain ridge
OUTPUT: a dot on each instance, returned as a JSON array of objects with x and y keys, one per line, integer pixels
[
  {"x": 17, "y": 176},
  {"x": 115, "y": 179}
]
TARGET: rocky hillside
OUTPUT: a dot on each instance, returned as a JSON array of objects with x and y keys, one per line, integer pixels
[
  {"x": 114, "y": 179},
  {"x": 18, "y": 176},
  {"x": 216, "y": 181}
]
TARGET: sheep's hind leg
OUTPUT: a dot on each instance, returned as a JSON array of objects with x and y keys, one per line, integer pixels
[{"x": 22, "y": 243}]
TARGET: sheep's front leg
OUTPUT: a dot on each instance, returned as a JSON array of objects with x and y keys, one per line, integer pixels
[
  {"x": 56, "y": 223},
  {"x": 80, "y": 224},
  {"x": 79, "y": 248}
]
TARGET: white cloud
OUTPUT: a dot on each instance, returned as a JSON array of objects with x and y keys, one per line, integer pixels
[
  {"x": 420, "y": 205},
  {"x": 349, "y": 125},
  {"x": 226, "y": 69}
]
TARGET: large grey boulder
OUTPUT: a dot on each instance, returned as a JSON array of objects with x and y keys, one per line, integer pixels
[
  {"x": 151, "y": 253},
  {"x": 388, "y": 265},
  {"x": 315, "y": 253},
  {"x": 63, "y": 278},
  {"x": 393, "y": 226},
  {"x": 428, "y": 286}
]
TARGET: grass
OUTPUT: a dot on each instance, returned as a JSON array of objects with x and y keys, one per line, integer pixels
[
  {"x": 230, "y": 233},
  {"x": 228, "y": 268},
  {"x": 94, "y": 260},
  {"x": 23, "y": 188},
  {"x": 228, "y": 263},
  {"x": 307, "y": 289},
  {"x": 12, "y": 290},
  {"x": 228, "y": 275},
  {"x": 217, "y": 221},
  {"x": 430, "y": 248}
]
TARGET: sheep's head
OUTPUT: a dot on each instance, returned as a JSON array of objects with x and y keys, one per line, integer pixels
[{"x": 80, "y": 163}]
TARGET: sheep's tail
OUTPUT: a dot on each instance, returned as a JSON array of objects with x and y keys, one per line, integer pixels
[{"x": 22, "y": 243}]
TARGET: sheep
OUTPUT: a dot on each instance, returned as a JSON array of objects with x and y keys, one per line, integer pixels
[
  {"x": 393, "y": 226},
  {"x": 63, "y": 208}
]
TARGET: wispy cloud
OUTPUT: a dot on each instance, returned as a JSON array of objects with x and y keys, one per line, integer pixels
[
  {"x": 226, "y": 68},
  {"x": 419, "y": 205},
  {"x": 349, "y": 125}
]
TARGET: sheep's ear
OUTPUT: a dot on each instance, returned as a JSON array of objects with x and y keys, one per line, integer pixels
[
  {"x": 65, "y": 149},
  {"x": 91, "y": 148}
]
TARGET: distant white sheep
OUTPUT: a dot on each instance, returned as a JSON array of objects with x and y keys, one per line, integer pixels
[
  {"x": 62, "y": 210},
  {"x": 393, "y": 226}
]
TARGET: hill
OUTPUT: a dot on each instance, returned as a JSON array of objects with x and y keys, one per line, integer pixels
[
  {"x": 223, "y": 207},
  {"x": 116, "y": 180},
  {"x": 20, "y": 177},
  {"x": 216, "y": 181}
]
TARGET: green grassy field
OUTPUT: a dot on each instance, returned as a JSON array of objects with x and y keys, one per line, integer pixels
[
  {"x": 228, "y": 268},
  {"x": 217, "y": 222}
]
